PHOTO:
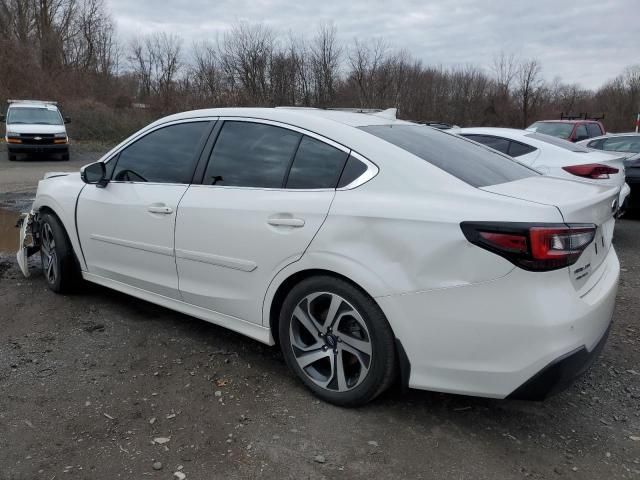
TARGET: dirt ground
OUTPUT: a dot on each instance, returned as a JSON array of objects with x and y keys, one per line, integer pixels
[{"x": 88, "y": 381}]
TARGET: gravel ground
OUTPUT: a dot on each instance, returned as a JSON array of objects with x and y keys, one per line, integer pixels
[{"x": 98, "y": 385}]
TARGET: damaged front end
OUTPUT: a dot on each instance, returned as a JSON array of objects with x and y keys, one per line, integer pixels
[{"x": 29, "y": 225}]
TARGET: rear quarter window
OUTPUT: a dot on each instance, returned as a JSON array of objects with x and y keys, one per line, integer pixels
[{"x": 476, "y": 165}]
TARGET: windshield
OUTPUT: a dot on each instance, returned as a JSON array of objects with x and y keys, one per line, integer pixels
[
  {"x": 558, "y": 142},
  {"x": 34, "y": 115},
  {"x": 474, "y": 164},
  {"x": 555, "y": 129}
]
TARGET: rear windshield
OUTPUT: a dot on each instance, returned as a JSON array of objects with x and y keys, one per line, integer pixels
[
  {"x": 555, "y": 129},
  {"x": 34, "y": 115},
  {"x": 558, "y": 142},
  {"x": 475, "y": 164}
]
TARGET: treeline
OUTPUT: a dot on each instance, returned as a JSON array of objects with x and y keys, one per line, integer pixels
[{"x": 69, "y": 50}]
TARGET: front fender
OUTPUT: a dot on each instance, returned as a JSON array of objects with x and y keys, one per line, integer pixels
[{"x": 60, "y": 195}]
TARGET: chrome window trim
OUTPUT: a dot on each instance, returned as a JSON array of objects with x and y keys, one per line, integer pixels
[{"x": 371, "y": 171}]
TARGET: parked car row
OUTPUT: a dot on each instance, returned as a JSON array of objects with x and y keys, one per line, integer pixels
[
  {"x": 368, "y": 248},
  {"x": 556, "y": 157}
]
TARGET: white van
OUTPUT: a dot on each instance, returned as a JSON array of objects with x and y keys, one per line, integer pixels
[{"x": 35, "y": 126}]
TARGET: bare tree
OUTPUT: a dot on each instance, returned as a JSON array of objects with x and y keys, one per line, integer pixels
[
  {"x": 325, "y": 60},
  {"x": 529, "y": 85}
]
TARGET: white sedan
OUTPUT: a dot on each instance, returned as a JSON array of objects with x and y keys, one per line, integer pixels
[
  {"x": 368, "y": 248},
  {"x": 555, "y": 156}
]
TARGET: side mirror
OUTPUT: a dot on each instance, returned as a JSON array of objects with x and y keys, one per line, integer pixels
[
  {"x": 94, "y": 174},
  {"x": 67, "y": 120}
]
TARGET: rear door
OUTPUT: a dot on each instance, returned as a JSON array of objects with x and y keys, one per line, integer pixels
[
  {"x": 126, "y": 229},
  {"x": 265, "y": 192}
]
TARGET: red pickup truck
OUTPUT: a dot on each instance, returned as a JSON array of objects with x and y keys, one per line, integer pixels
[{"x": 569, "y": 128}]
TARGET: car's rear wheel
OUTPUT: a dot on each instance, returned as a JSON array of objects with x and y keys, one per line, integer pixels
[
  {"x": 12, "y": 157},
  {"x": 59, "y": 265},
  {"x": 65, "y": 157},
  {"x": 337, "y": 340}
]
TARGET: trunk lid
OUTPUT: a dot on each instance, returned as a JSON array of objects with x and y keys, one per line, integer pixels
[{"x": 578, "y": 202}]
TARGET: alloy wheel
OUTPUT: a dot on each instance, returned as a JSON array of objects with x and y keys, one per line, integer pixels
[
  {"x": 49, "y": 259},
  {"x": 330, "y": 341}
]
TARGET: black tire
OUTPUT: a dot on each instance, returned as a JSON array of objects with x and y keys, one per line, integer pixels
[
  {"x": 12, "y": 157},
  {"x": 65, "y": 157},
  {"x": 357, "y": 313},
  {"x": 59, "y": 265}
]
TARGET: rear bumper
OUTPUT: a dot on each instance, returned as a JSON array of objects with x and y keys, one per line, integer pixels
[
  {"x": 29, "y": 149},
  {"x": 560, "y": 373},
  {"x": 489, "y": 339}
]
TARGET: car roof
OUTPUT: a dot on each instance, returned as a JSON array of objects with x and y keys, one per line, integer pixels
[
  {"x": 297, "y": 116},
  {"x": 568, "y": 121},
  {"x": 512, "y": 133},
  {"x": 33, "y": 104}
]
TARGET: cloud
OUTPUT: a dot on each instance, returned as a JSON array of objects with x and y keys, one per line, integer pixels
[{"x": 586, "y": 42}]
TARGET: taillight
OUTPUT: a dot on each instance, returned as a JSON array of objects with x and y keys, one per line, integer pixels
[
  {"x": 536, "y": 247},
  {"x": 591, "y": 170}
]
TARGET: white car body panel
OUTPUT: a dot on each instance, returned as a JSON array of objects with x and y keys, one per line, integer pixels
[
  {"x": 124, "y": 241},
  {"x": 231, "y": 242},
  {"x": 460, "y": 312}
]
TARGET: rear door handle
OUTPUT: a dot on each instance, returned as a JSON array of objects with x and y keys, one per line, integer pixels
[
  {"x": 160, "y": 209},
  {"x": 286, "y": 222}
]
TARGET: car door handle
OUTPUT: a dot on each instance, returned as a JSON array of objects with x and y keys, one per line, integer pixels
[
  {"x": 160, "y": 209},
  {"x": 286, "y": 222}
]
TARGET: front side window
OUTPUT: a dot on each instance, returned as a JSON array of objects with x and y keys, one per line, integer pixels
[
  {"x": 465, "y": 160},
  {"x": 166, "y": 155},
  {"x": 316, "y": 165},
  {"x": 251, "y": 155},
  {"x": 34, "y": 116}
]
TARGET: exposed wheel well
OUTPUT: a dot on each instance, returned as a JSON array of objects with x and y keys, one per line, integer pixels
[
  {"x": 46, "y": 209},
  {"x": 289, "y": 283}
]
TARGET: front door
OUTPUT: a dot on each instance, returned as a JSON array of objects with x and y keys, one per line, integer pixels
[
  {"x": 126, "y": 229},
  {"x": 265, "y": 193}
]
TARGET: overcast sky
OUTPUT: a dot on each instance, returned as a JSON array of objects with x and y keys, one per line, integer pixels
[{"x": 581, "y": 41}]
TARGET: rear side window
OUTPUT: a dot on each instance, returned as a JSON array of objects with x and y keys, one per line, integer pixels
[
  {"x": 517, "y": 149},
  {"x": 316, "y": 165},
  {"x": 352, "y": 170},
  {"x": 455, "y": 155},
  {"x": 594, "y": 130},
  {"x": 251, "y": 155},
  {"x": 581, "y": 132},
  {"x": 166, "y": 155}
]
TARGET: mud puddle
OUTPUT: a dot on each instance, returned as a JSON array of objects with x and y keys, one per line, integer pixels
[{"x": 8, "y": 232}]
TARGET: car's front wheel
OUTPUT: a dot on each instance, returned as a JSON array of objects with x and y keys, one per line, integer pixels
[
  {"x": 337, "y": 340},
  {"x": 59, "y": 265}
]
